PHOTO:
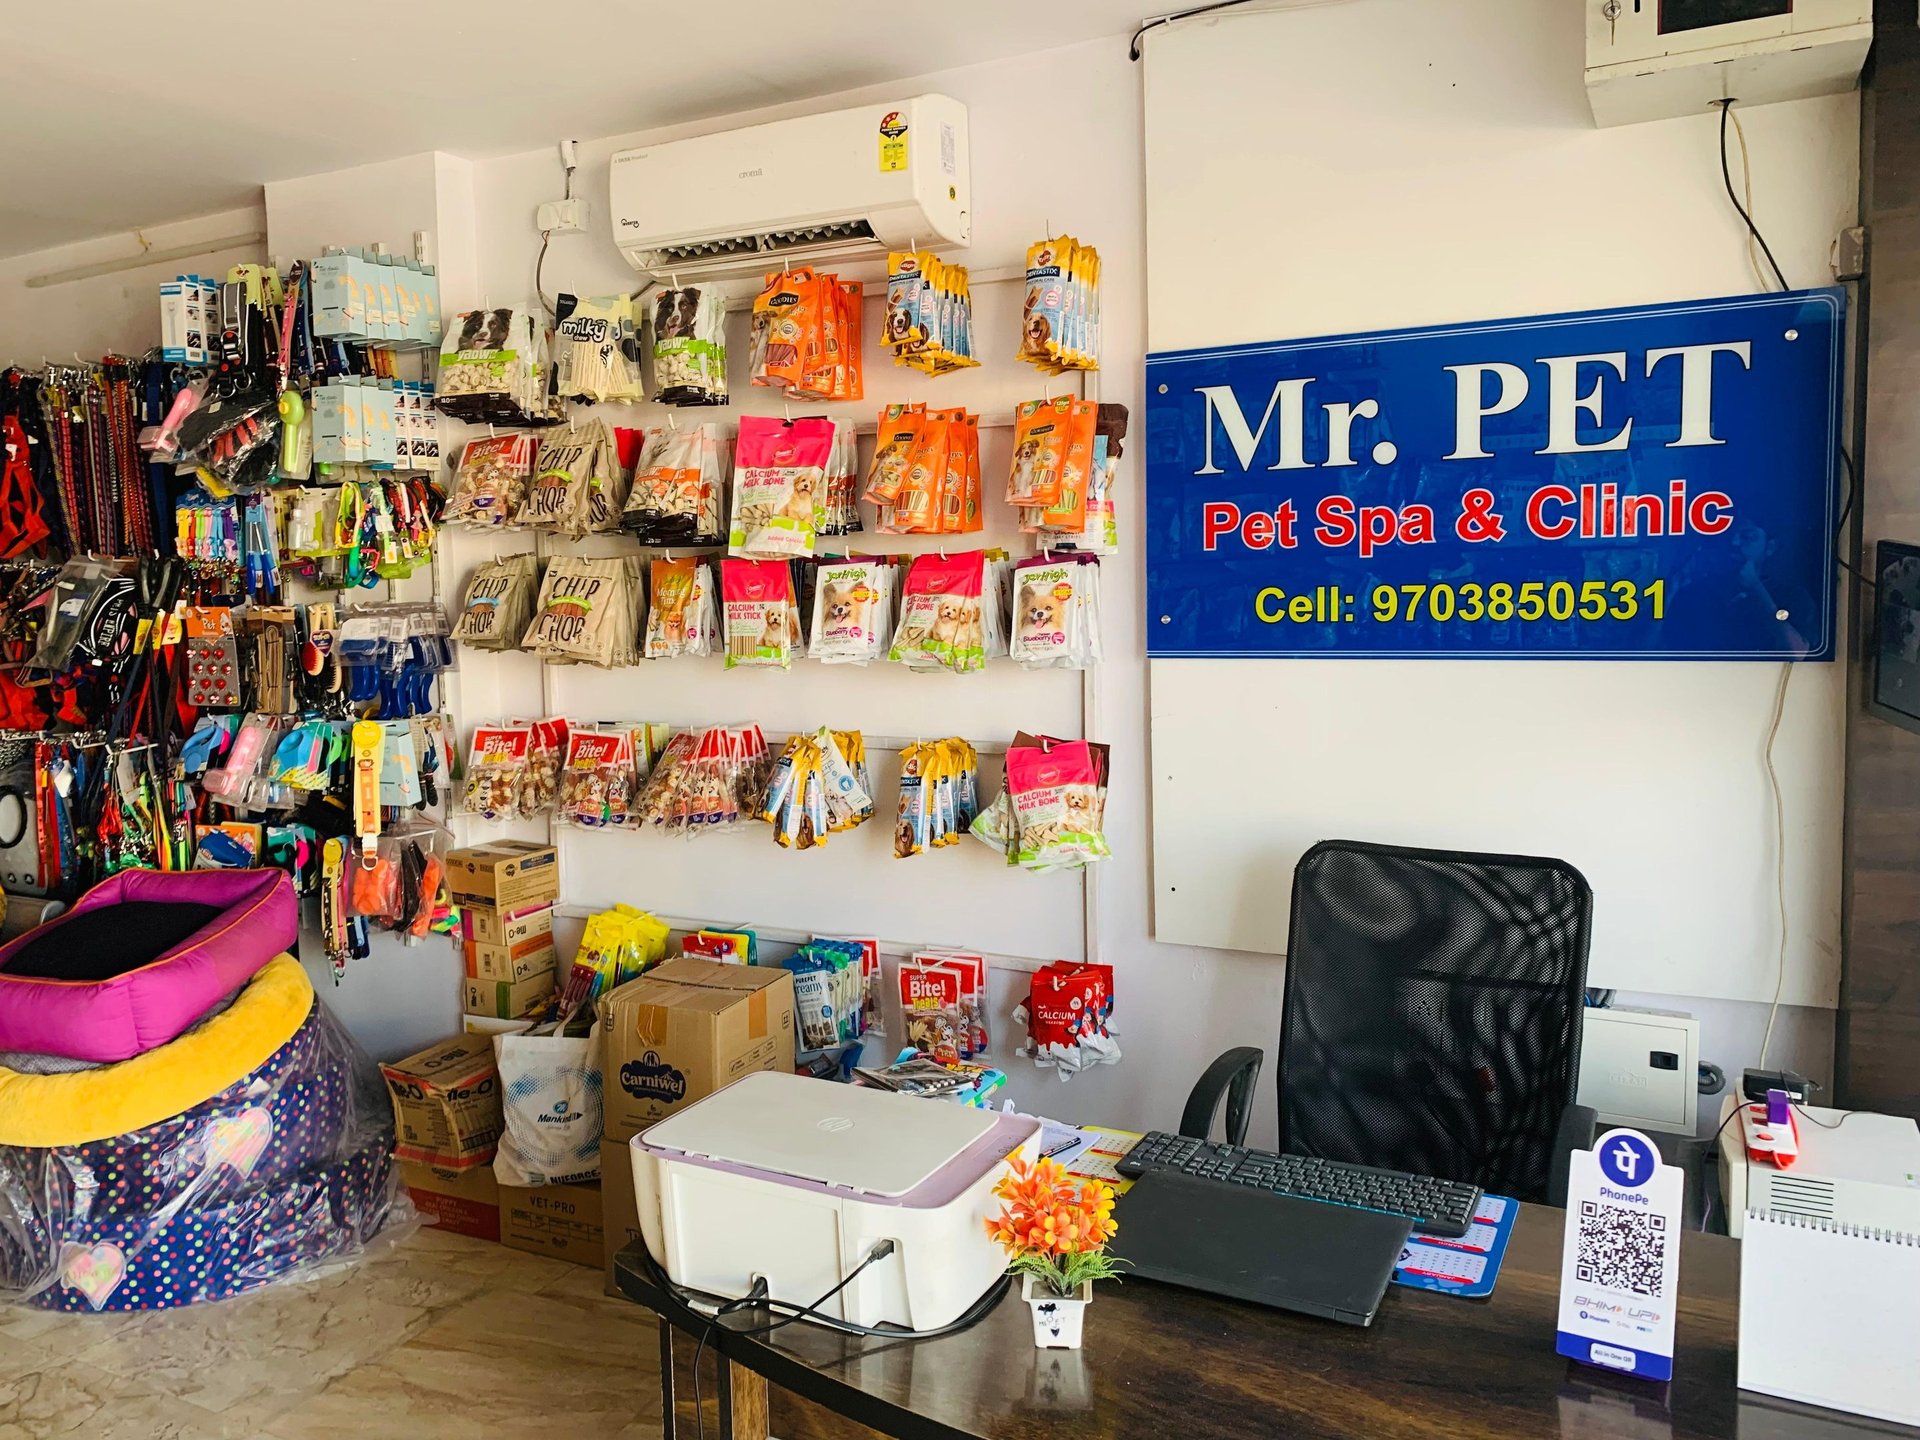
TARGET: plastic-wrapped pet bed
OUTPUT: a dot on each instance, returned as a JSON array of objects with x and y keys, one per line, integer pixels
[
  {"x": 139, "y": 958},
  {"x": 255, "y": 1144}
]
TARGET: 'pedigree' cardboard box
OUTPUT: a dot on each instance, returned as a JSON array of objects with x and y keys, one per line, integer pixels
[
  {"x": 507, "y": 874},
  {"x": 446, "y": 1103},
  {"x": 686, "y": 1029},
  {"x": 619, "y": 1213},
  {"x": 562, "y": 1221},
  {"x": 463, "y": 1202}
]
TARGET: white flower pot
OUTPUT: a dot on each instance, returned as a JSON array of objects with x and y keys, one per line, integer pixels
[{"x": 1056, "y": 1318}]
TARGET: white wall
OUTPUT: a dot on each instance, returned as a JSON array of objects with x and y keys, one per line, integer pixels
[
  {"x": 117, "y": 313},
  {"x": 1387, "y": 163}
]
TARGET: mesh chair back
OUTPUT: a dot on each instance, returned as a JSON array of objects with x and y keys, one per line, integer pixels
[{"x": 1433, "y": 1006}]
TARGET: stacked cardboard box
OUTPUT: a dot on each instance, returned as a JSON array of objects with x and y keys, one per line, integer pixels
[
  {"x": 506, "y": 893},
  {"x": 447, "y": 1122}
]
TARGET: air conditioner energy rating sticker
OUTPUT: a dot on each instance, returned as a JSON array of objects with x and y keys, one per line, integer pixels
[
  {"x": 1620, "y": 1268},
  {"x": 893, "y": 142}
]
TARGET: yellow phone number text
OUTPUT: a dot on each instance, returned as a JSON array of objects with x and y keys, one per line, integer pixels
[{"x": 1470, "y": 601}]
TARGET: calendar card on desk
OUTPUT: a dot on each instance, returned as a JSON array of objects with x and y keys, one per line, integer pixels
[
  {"x": 1829, "y": 1314},
  {"x": 1467, "y": 1266}
]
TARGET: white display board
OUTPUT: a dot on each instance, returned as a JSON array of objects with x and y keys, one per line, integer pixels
[{"x": 1464, "y": 181}]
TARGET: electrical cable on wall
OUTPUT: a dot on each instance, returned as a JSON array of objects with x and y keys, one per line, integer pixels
[
  {"x": 1754, "y": 238},
  {"x": 1133, "y": 46},
  {"x": 546, "y": 239}
]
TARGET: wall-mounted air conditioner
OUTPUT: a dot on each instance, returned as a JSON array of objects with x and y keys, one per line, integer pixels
[
  {"x": 832, "y": 189},
  {"x": 1654, "y": 59}
]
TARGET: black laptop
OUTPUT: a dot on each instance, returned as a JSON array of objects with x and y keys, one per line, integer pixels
[{"x": 1328, "y": 1260}]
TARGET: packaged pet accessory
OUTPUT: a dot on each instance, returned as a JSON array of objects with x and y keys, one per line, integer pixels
[
  {"x": 597, "y": 783},
  {"x": 496, "y": 771},
  {"x": 1068, "y": 1015},
  {"x": 587, "y": 613},
  {"x": 677, "y": 488},
  {"x": 1060, "y": 320},
  {"x": 852, "y": 611},
  {"x": 493, "y": 368},
  {"x": 681, "y": 618},
  {"x": 706, "y": 780},
  {"x": 490, "y": 486},
  {"x": 942, "y": 626},
  {"x": 546, "y": 754},
  {"x": 596, "y": 350},
  {"x": 841, "y": 513},
  {"x": 618, "y": 945},
  {"x": 494, "y": 611},
  {"x": 1056, "y": 613},
  {"x": 690, "y": 347},
  {"x": 762, "y": 620},
  {"x": 779, "y": 486},
  {"x": 929, "y": 321}
]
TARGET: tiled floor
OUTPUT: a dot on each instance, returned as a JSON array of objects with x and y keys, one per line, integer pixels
[{"x": 434, "y": 1336}]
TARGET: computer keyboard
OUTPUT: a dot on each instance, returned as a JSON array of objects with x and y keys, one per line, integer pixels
[{"x": 1438, "y": 1207}]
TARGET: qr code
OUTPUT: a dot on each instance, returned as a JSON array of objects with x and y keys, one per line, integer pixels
[{"x": 1620, "y": 1249}]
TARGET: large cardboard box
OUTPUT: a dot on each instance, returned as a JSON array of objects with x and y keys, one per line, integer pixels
[
  {"x": 511, "y": 963},
  {"x": 506, "y": 874},
  {"x": 465, "y": 1202},
  {"x": 562, "y": 1221},
  {"x": 686, "y": 1029},
  {"x": 446, "y": 1103},
  {"x": 486, "y": 924},
  {"x": 506, "y": 999},
  {"x": 619, "y": 1214}
]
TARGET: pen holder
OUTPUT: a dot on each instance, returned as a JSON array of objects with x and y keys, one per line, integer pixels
[{"x": 1057, "y": 1319}]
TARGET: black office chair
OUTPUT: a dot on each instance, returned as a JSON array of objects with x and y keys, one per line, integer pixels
[{"x": 1432, "y": 1018}]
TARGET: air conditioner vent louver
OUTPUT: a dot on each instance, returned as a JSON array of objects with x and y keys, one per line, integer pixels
[{"x": 772, "y": 243}]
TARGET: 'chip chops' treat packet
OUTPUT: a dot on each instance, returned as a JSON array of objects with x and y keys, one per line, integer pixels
[
  {"x": 588, "y": 612},
  {"x": 494, "y": 610},
  {"x": 779, "y": 486}
]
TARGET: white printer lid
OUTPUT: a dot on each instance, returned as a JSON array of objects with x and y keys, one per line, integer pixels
[{"x": 850, "y": 1136}]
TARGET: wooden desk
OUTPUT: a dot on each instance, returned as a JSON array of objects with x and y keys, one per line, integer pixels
[{"x": 1167, "y": 1364}]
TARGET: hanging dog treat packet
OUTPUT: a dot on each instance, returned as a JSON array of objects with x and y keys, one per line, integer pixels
[
  {"x": 493, "y": 612},
  {"x": 690, "y": 347},
  {"x": 841, "y": 514},
  {"x": 930, "y": 1009},
  {"x": 1055, "y": 613},
  {"x": 560, "y": 480},
  {"x": 894, "y": 439},
  {"x": 597, "y": 785},
  {"x": 779, "y": 486},
  {"x": 677, "y": 488},
  {"x": 585, "y": 612},
  {"x": 546, "y": 754},
  {"x": 762, "y": 625},
  {"x": 490, "y": 484},
  {"x": 1051, "y": 788},
  {"x": 851, "y": 611},
  {"x": 496, "y": 769},
  {"x": 596, "y": 350},
  {"x": 493, "y": 368},
  {"x": 940, "y": 614},
  {"x": 672, "y": 613}
]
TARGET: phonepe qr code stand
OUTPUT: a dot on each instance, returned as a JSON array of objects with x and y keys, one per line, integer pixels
[{"x": 1620, "y": 1269}]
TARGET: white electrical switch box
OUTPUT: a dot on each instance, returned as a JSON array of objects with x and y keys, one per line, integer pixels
[
  {"x": 562, "y": 217},
  {"x": 1641, "y": 1068}
]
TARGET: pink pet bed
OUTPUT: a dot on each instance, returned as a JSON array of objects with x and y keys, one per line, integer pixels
[{"x": 139, "y": 959}]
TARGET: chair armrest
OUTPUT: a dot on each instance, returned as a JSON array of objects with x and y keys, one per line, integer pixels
[
  {"x": 1578, "y": 1123},
  {"x": 1233, "y": 1076}
]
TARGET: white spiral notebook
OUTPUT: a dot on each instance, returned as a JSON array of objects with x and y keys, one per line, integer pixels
[{"x": 1830, "y": 1315}]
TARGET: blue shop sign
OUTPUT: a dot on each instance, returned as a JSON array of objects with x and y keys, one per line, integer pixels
[{"x": 1652, "y": 483}]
